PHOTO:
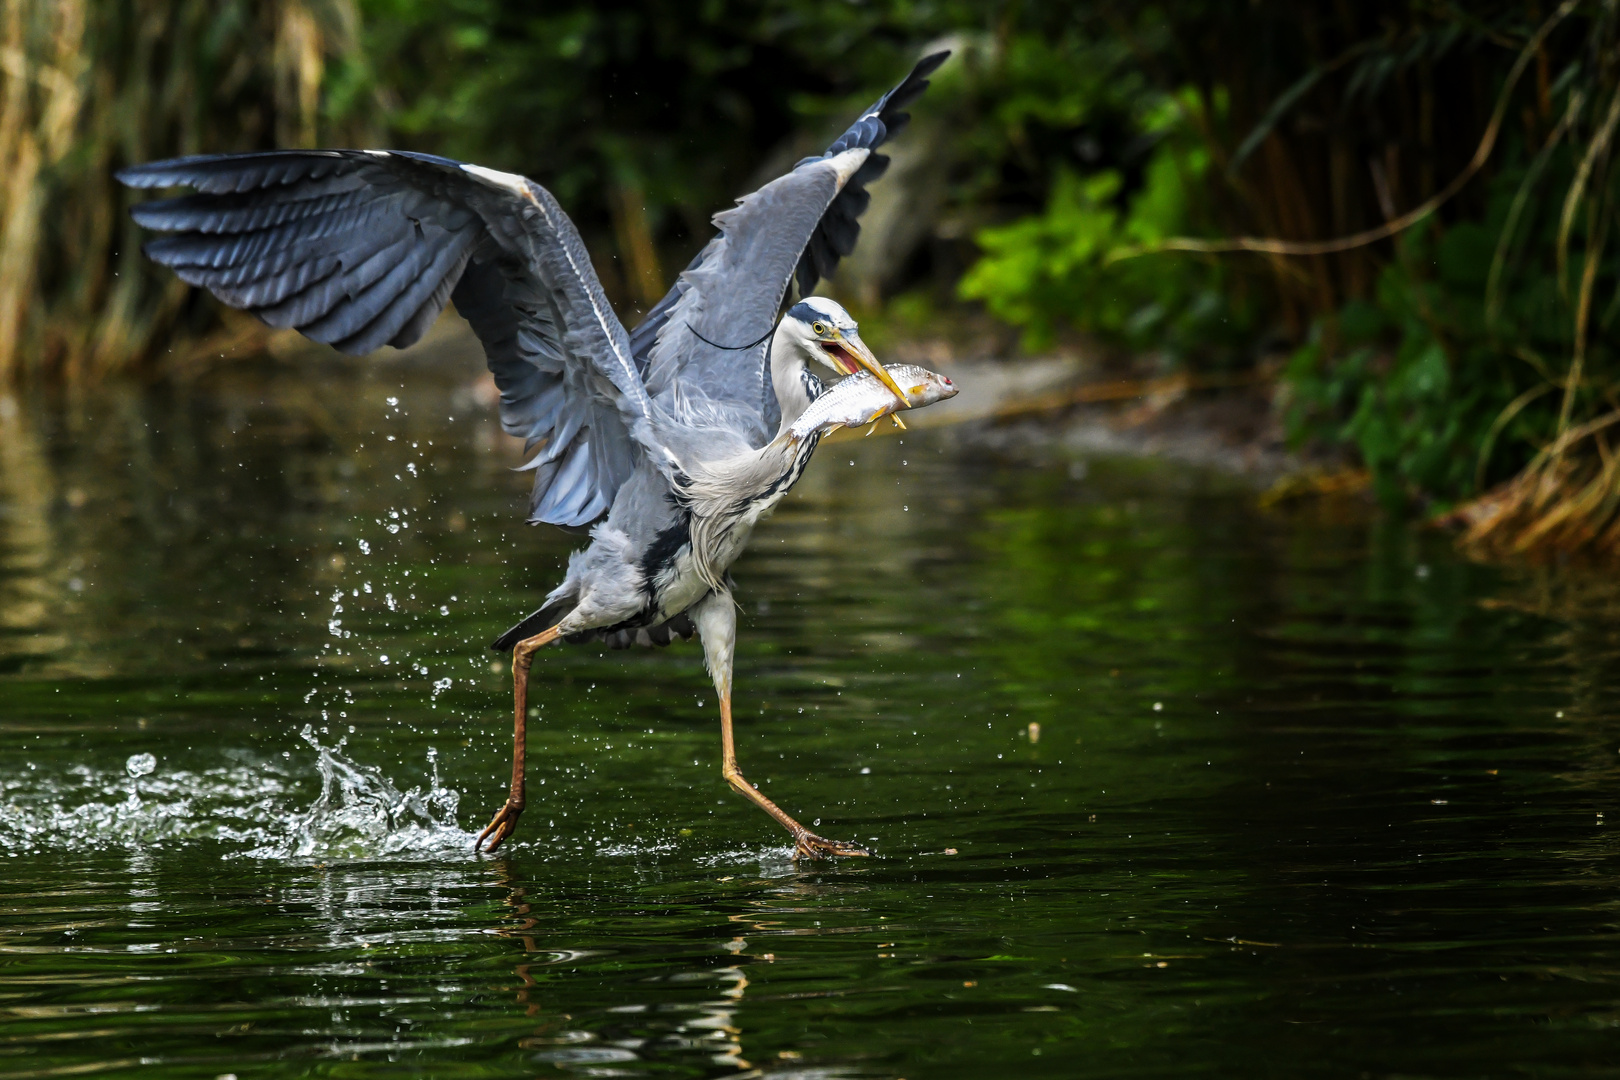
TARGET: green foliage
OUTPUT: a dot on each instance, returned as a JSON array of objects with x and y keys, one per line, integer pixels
[
  {"x": 1414, "y": 407},
  {"x": 1442, "y": 384},
  {"x": 1061, "y": 268},
  {"x": 676, "y": 102},
  {"x": 1448, "y": 358},
  {"x": 1035, "y": 91},
  {"x": 675, "y": 108}
]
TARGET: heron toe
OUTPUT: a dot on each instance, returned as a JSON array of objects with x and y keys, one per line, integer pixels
[
  {"x": 811, "y": 846},
  {"x": 501, "y": 827}
]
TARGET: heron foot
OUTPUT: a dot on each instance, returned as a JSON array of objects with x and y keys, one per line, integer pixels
[
  {"x": 807, "y": 845},
  {"x": 504, "y": 825}
]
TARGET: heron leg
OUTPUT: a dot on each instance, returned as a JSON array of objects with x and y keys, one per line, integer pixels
[
  {"x": 716, "y": 619},
  {"x": 506, "y": 819}
]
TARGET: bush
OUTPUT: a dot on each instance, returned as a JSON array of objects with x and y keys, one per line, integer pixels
[
  {"x": 1442, "y": 379},
  {"x": 1066, "y": 267}
]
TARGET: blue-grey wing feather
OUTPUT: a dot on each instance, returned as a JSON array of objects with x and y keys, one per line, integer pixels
[
  {"x": 361, "y": 249},
  {"x": 799, "y": 225},
  {"x": 731, "y": 297}
]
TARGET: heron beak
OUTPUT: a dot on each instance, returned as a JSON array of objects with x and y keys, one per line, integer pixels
[{"x": 851, "y": 353}]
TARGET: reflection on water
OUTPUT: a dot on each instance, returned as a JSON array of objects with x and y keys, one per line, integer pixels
[
  {"x": 26, "y": 541},
  {"x": 1158, "y": 782}
]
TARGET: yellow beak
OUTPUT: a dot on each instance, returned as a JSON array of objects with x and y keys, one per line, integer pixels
[{"x": 856, "y": 348}]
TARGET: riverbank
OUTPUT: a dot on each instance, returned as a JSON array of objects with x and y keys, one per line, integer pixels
[{"x": 1077, "y": 406}]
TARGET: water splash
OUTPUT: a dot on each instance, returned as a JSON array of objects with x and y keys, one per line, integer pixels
[
  {"x": 636, "y": 848},
  {"x": 772, "y": 862},
  {"x": 361, "y": 815},
  {"x": 249, "y": 805},
  {"x": 80, "y": 808}
]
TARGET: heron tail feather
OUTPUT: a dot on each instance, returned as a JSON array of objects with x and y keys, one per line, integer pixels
[{"x": 544, "y": 619}]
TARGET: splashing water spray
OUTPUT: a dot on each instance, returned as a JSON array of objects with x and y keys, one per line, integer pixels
[
  {"x": 137, "y": 766},
  {"x": 361, "y": 814}
]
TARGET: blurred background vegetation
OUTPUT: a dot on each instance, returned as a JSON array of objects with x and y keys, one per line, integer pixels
[{"x": 1071, "y": 177}]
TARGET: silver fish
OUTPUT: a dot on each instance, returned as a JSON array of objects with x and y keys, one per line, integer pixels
[{"x": 858, "y": 400}]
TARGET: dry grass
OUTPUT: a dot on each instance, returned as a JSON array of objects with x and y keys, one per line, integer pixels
[{"x": 1567, "y": 502}]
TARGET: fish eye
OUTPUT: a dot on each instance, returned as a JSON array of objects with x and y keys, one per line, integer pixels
[{"x": 818, "y": 328}]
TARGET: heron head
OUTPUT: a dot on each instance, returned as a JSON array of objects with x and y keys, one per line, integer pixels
[{"x": 827, "y": 334}]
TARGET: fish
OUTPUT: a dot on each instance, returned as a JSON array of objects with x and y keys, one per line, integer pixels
[{"x": 861, "y": 399}]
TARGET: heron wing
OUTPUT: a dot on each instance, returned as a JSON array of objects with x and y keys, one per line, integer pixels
[
  {"x": 799, "y": 224},
  {"x": 361, "y": 248}
]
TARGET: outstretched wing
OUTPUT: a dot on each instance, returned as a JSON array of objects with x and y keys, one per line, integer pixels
[
  {"x": 798, "y": 224},
  {"x": 361, "y": 248}
]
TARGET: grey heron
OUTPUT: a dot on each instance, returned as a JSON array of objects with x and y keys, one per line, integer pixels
[{"x": 669, "y": 440}]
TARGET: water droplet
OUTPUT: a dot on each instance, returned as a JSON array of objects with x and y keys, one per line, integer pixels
[{"x": 140, "y": 765}]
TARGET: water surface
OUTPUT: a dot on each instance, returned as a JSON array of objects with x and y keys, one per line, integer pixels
[{"x": 1159, "y": 781}]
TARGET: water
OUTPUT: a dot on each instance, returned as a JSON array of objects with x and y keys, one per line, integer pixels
[{"x": 1159, "y": 781}]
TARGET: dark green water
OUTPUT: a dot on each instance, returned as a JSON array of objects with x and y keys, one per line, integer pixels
[{"x": 1309, "y": 794}]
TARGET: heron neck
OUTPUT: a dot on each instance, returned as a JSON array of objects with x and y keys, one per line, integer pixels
[{"x": 795, "y": 386}]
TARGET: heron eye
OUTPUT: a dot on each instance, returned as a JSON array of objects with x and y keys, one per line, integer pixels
[{"x": 819, "y": 328}]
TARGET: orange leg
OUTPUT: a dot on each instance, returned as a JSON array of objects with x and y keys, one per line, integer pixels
[
  {"x": 716, "y": 618},
  {"x": 506, "y": 819},
  {"x": 806, "y": 844}
]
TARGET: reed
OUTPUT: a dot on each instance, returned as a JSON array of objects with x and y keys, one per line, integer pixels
[
  {"x": 1566, "y": 501},
  {"x": 87, "y": 86}
]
